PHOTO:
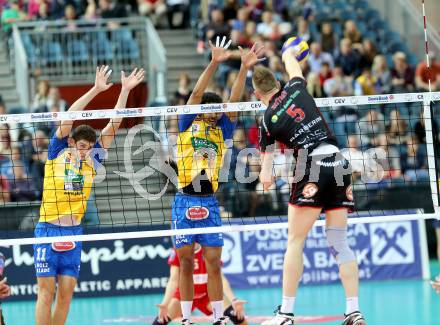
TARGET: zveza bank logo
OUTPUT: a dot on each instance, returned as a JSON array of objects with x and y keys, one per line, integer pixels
[
  {"x": 231, "y": 253},
  {"x": 392, "y": 243}
]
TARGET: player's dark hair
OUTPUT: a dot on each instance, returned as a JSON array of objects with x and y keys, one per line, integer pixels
[
  {"x": 209, "y": 98},
  {"x": 84, "y": 132}
]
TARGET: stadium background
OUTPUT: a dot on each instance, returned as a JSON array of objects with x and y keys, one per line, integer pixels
[{"x": 49, "y": 58}]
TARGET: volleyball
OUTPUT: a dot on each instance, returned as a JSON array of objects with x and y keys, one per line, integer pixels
[{"x": 301, "y": 47}]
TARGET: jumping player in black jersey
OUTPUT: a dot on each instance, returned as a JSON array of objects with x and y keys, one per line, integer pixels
[{"x": 321, "y": 183}]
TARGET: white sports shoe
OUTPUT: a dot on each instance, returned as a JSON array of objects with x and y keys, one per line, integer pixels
[
  {"x": 222, "y": 321},
  {"x": 186, "y": 322},
  {"x": 355, "y": 318},
  {"x": 280, "y": 319}
]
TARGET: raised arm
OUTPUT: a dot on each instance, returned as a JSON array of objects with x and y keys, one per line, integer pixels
[
  {"x": 219, "y": 54},
  {"x": 266, "y": 175},
  {"x": 127, "y": 84},
  {"x": 102, "y": 75},
  {"x": 291, "y": 64},
  {"x": 248, "y": 60}
]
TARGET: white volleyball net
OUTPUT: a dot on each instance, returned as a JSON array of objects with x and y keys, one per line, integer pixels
[{"x": 391, "y": 141}]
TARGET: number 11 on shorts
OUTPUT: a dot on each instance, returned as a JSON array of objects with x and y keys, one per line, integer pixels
[{"x": 41, "y": 254}]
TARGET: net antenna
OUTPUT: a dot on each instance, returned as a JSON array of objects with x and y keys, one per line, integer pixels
[{"x": 428, "y": 114}]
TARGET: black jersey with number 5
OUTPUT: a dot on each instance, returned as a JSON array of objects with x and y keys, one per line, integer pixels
[{"x": 293, "y": 119}]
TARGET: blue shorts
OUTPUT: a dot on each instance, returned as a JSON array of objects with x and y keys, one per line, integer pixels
[
  {"x": 436, "y": 223},
  {"x": 196, "y": 212},
  {"x": 50, "y": 262}
]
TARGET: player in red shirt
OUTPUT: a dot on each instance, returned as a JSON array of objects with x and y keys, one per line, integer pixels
[{"x": 169, "y": 308}]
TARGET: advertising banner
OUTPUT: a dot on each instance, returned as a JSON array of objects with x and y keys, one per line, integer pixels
[
  {"x": 108, "y": 268},
  {"x": 251, "y": 259},
  {"x": 384, "y": 251}
]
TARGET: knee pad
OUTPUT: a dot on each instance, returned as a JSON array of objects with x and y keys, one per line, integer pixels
[
  {"x": 229, "y": 312},
  {"x": 337, "y": 241},
  {"x": 157, "y": 322}
]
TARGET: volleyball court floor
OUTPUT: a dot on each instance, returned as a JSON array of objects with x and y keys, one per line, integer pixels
[{"x": 411, "y": 302}]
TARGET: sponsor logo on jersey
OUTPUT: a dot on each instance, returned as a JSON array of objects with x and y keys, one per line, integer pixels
[
  {"x": 310, "y": 190},
  {"x": 279, "y": 99},
  {"x": 291, "y": 98},
  {"x": 331, "y": 163},
  {"x": 306, "y": 128},
  {"x": 63, "y": 246},
  {"x": 200, "y": 143},
  {"x": 197, "y": 213},
  {"x": 274, "y": 118},
  {"x": 306, "y": 200}
]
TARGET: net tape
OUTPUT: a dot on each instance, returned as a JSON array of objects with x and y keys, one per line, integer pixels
[{"x": 209, "y": 108}]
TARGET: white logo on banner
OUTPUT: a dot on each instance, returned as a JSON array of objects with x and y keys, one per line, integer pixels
[
  {"x": 231, "y": 253},
  {"x": 392, "y": 243}
]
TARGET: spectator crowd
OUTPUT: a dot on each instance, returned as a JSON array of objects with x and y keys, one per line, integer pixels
[{"x": 164, "y": 13}]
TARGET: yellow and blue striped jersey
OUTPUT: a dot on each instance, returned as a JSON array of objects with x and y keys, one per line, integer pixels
[
  {"x": 67, "y": 182},
  {"x": 201, "y": 147}
]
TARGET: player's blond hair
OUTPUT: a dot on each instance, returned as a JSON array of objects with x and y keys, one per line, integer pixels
[{"x": 263, "y": 79}]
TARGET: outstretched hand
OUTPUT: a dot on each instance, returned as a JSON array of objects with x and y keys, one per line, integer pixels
[
  {"x": 5, "y": 290},
  {"x": 251, "y": 57},
  {"x": 220, "y": 51},
  {"x": 102, "y": 75},
  {"x": 134, "y": 79},
  {"x": 238, "y": 307},
  {"x": 436, "y": 284},
  {"x": 163, "y": 313}
]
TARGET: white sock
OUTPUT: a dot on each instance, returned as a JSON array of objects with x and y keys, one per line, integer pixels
[
  {"x": 352, "y": 305},
  {"x": 287, "y": 305},
  {"x": 217, "y": 309},
  {"x": 186, "y": 309}
]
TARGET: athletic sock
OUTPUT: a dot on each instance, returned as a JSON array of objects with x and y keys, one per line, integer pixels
[
  {"x": 186, "y": 309},
  {"x": 217, "y": 309},
  {"x": 352, "y": 305},
  {"x": 287, "y": 305}
]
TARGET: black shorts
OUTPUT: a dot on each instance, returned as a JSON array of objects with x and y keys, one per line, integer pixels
[{"x": 319, "y": 187}]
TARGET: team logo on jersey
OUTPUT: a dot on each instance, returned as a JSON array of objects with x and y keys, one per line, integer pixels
[
  {"x": 63, "y": 246},
  {"x": 197, "y": 213},
  {"x": 349, "y": 193},
  {"x": 310, "y": 190},
  {"x": 274, "y": 118}
]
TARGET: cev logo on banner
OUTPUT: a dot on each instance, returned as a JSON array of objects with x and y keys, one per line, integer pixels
[
  {"x": 392, "y": 243},
  {"x": 232, "y": 254}
]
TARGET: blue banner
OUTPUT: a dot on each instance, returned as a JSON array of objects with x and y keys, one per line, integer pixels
[{"x": 384, "y": 251}]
